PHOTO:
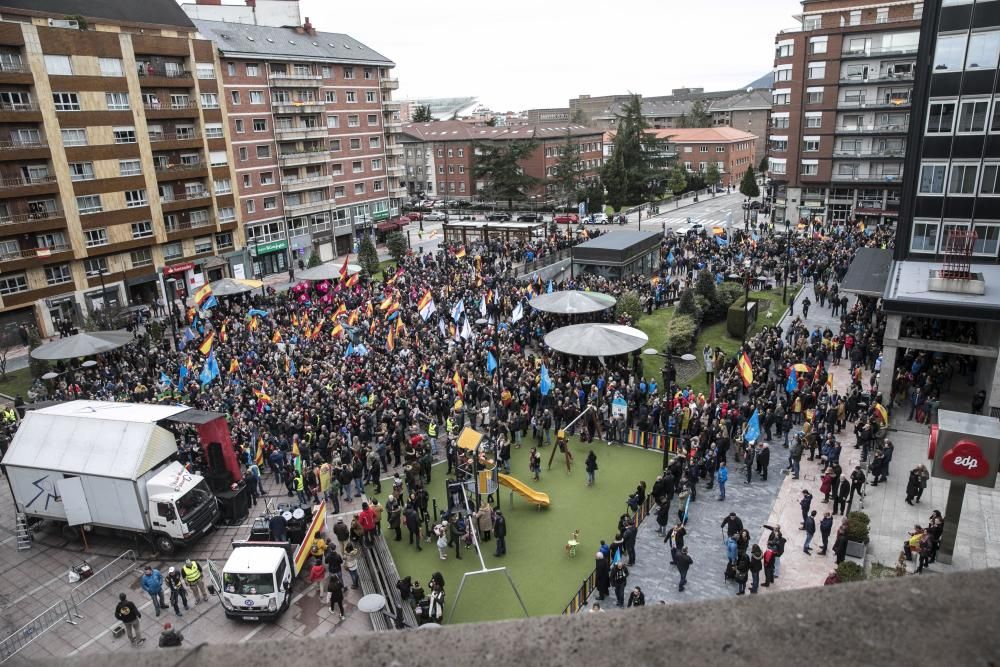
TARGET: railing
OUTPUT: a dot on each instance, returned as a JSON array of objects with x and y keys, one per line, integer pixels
[
  {"x": 885, "y": 51},
  {"x": 103, "y": 578},
  {"x": 18, "y": 218},
  {"x": 157, "y": 138},
  {"x": 171, "y": 168},
  {"x": 542, "y": 262},
  {"x": 170, "y": 107},
  {"x": 860, "y": 129},
  {"x": 185, "y": 196},
  {"x": 889, "y": 153},
  {"x": 32, "y": 253},
  {"x": 320, "y": 153},
  {"x": 21, "y": 145},
  {"x": 161, "y": 71},
  {"x": 849, "y": 24},
  {"x": 294, "y": 182},
  {"x": 292, "y": 76},
  {"x": 18, "y": 106},
  {"x": 18, "y": 67},
  {"x": 883, "y": 78},
  {"x": 874, "y": 178},
  {"x": 23, "y": 182},
  {"x": 189, "y": 224},
  {"x": 890, "y": 103}
]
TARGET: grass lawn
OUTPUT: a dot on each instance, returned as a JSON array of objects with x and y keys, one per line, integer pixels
[
  {"x": 655, "y": 326},
  {"x": 536, "y": 560},
  {"x": 381, "y": 266},
  {"x": 16, "y": 382}
]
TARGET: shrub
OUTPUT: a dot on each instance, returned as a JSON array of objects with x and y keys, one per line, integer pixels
[
  {"x": 396, "y": 245},
  {"x": 704, "y": 309},
  {"x": 728, "y": 293},
  {"x": 857, "y": 527},
  {"x": 686, "y": 304},
  {"x": 314, "y": 259},
  {"x": 629, "y": 304},
  {"x": 705, "y": 285},
  {"x": 368, "y": 256},
  {"x": 850, "y": 571},
  {"x": 682, "y": 331},
  {"x": 39, "y": 367}
]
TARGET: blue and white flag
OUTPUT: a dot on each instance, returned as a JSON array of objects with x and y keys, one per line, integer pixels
[
  {"x": 793, "y": 381},
  {"x": 517, "y": 314},
  {"x": 545, "y": 386},
  {"x": 753, "y": 428},
  {"x": 491, "y": 363},
  {"x": 210, "y": 371},
  {"x": 458, "y": 310}
]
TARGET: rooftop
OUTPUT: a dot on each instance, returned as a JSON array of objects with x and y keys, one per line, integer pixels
[
  {"x": 256, "y": 41},
  {"x": 908, "y": 289},
  {"x": 144, "y": 12},
  {"x": 721, "y": 134},
  {"x": 617, "y": 240},
  {"x": 456, "y": 130}
]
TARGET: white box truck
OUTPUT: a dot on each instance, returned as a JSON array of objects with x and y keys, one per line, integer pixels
[{"x": 110, "y": 466}]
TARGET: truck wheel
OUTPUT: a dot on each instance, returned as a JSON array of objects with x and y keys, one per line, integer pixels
[
  {"x": 70, "y": 533},
  {"x": 164, "y": 544}
]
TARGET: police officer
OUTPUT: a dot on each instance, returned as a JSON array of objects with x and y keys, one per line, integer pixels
[
  {"x": 195, "y": 580},
  {"x": 432, "y": 431}
]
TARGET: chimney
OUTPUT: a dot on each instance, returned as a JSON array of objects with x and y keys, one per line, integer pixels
[{"x": 308, "y": 27}]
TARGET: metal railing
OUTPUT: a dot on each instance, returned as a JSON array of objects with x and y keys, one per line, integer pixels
[
  {"x": 25, "y": 181},
  {"x": 18, "y": 106},
  {"x": 170, "y": 107},
  {"x": 877, "y": 78},
  {"x": 849, "y": 24},
  {"x": 103, "y": 578},
  {"x": 861, "y": 129},
  {"x": 21, "y": 145},
  {"x": 164, "y": 72},
  {"x": 18, "y": 218},
  {"x": 873, "y": 178},
  {"x": 64, "y": 610},
  {"x": 158, "y": 137}
]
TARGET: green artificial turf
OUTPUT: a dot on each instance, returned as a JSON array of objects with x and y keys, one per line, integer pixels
[
  {"x": 17, "y": 382},
  {"x": 545, "y": 576}
]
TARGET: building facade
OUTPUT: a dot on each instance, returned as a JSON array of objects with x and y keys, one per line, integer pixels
[
  {"x": 696, "y": 149},
  {"x": 315, "y": 138},
  {"x": 116, "y": 162},
  {"x": 439, "y": 156},
  {"x": 842, "y": 95}
]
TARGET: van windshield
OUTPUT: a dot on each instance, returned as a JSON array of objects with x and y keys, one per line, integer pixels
[
  {"x": 248, "y": 584},
  {"x": 193, "y": 499}
]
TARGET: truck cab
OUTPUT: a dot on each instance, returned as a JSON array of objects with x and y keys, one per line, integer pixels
[{"x": 181, "y": 507}]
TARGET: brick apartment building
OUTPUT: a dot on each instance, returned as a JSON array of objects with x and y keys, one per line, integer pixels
[
  {"x": 696, "y": 149},
  {"x": 842, "y": 96},
  {"x": 115, "y": 163},
  {"x": 439, "y": 156},
  {"x": 315, "y": 137}
]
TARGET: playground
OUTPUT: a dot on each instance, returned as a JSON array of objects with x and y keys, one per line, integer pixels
[{"x": 537, "y": 561}]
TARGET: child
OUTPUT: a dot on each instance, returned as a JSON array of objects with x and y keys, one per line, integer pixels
[{"x": 535, "y": 464}]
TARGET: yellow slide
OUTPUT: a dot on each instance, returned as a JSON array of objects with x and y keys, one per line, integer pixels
[{"x": 536, "y": 497}]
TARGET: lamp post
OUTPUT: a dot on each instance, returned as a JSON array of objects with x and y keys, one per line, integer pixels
[
  {"x": 651, "y": 352},
  {"x": 747, "y": 277},
  {"x": 103, "y": 317},
  {"x": 788, "y": 253},
  {"x": 259, "y": 271},
  {"x": 172, "y": 294},
  {"x": 375, "y": 603}
]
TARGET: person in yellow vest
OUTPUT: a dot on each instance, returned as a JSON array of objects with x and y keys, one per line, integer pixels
[
  {"x": 195, "y": 580},
  {"x": 300, "y": 488},
  {"x": 449, "y": 424},
  {"x": 432, "y": 431}
]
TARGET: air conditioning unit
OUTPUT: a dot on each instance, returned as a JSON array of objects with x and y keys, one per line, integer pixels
[{"x": 64, "y": 23}]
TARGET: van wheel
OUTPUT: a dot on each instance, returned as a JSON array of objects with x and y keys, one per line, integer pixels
[{"x": 164, "y": 544}]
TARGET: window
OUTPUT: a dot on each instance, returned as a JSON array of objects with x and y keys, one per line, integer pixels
[
  {"x": 202, "y": 244},
  {"x": 327, "y": 72},
  {"x": 962, "y": 180},
  {"x": 96, "y": 237},
  {"x": 227, "y": 214},
  {"x": 924, "y": 238},
  {"x": 66, "y": 101},
  {"x": 260, "y": 125},
  {"x": 173, "y": 250},
  {"x": 779, "y": 122},
  {"x": 987, "y": 238},
  {"x": 972, "y": 117},
  {"x": 814, "y": 120},
  {"x": 352, "y": 96},
  {"x": 81, "y": 171},
  {"x": 810, "y": 145},
  {"x": 359, "y": 188},
  {"x": 949, "y": 52},
  {"x": 263, "y": 152},
  {"x": 110, "y": 66},
  {"x": 940, "y": 117},
  {"x": 374, "y": 142},
  {"x": 370, "y": 96},
  {"x": 141, "y": 257},
  {"x": 355, "y": 144},
  {"x": 809, "y": 169},
  {"x": 13, "y": 283},
  {"x": 814, "y": 95},
  {"x": 781, "y": 98},
  {"x": 231, "y": 69},
  {"x": 461, "y": 152},
  {"x": 331, "y": 96},
  {"x": 209, "y": 101},
  {"x": 270, "y": 203},
  {"x": 334, "y": 145},
  {"x": 59, "y": 65},
  {"x": 57, "y": 275},
  {"x": 267, "y": 178},
  {"x": 816, "y": 70},
  {"x": 117, "y": 101},
  {"x": 703, "y": 149},
  {"x": 984, "y": 49},
  {"x": 377, "y": 186},
  {"x": 882, "y": 15},
  {"x": 783, "y": 74},
  {"x": 784, "y": 50},
  {"x": 87, "y": 204},
  {"x": 124, "y": 135},
  {"x": 135, "y": 198},
  {"x": 252, "y": 69},
  {"x": 338, "y": 191},
  {"x": 256, "y": 97},
  {"x": 932, "y": 179},
  {"x": 213, "y": 130},
  {"x": 376, "y": 165},
  {"x": 244, "y": 154},
  {"x": 817, "y": 44},
  {"x": 95, "y": 266},
  {"x": 855, "y": 17},
  {"x": 251, "y": 206},
  {"x": 358, "y": 167},
  {"x": 234, "y": 98},
  {"x": 223, "y": 186},
  {"x": 224, "y": 240},
  {"x": 348, "y": 72},
  {"x": 372, "y": 119},
  {"x": 129, "y": 167},
  {"x": 353, "y": 120},
  {"x": 333, "y": 120},
  {"x": 74, "y": 137}
]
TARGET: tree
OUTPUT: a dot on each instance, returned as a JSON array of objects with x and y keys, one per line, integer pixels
[
  {"x": 748, "y": 186},
  {"x": 594, "y": 195},
  {"x": 422, "y": 114},
  {"x": 498, "y": 165},
  {"x": 566, "y": 172},
  {"x": 491, "y": 121},
  {"x": 705, "y": 286},
  {"x": 686, "y": 304},
  {"x": 39, "y": 367},
  {"x": 636, "y": 171},
  {"x": 314, "y": 259},
  {"x": 677, "y": 180},
  {"x": 698, "y": 116},
  {"x": 368, "y": 256},
  {"x": 712, "y": 175},
  {"x": 763, "y": 166},
  {"x": 396, "y": 243},
  {"x": 629, "y": 305}
]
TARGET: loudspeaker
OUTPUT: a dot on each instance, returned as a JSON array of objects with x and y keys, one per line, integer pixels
[{"x": 213, "y": 454}]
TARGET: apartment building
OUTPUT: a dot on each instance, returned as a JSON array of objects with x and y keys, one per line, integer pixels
[
  {"x": 315, "y": 138},
  {"x": 439, "y": 156},
  {"x": 842, "y": 95},
  {"x": 115, "y": 163},
  {"x": 696, "y": 149}
]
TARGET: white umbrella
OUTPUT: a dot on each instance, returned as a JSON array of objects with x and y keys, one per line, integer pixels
[
  {"x": 50, "y": 376},
  {"x": 572, "y": 302},
  {"x": 596, "y": 340},
  {"x": 328, "y": 271},
  {"x": 232, "y": 286},
  {"x": 83, "y": 344}
]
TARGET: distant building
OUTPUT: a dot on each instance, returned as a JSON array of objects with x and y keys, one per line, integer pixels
[
  {"x": 443, "y": 108},
  {"x": 554, "y": 115}
]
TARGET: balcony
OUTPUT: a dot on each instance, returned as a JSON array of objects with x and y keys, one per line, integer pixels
[
  {"x": 389, "y": 83},
  {"x": 897, "y": 128},
  {"x": 296, "y": 133},
  {"x": 309, "y": 106},
  {"x": 183, "y": 226},
  {"x": 14, "y": 73},
  {"x": 884, "y": 154},
  {"x": 23, "y": 259},
  {"x": 396, "y": 172},
  {"x": 185, "y": 200},
  {"x": 877, "y": 79},
  {"x": 879, "y": 52},
  {"x": 834, "y": 23},
  {"x": 395, "y": 150},
  {"x": 19, "y": 112},
  {"x": 35, "y": 185},
  {"x": 172, "y": 171},
  {"x": 390, "y": 106},
  {"x": 155, "y": 76},
  {"x": 891, "y": 179},
  {"x": 308, "y": 183},
  {"x": 880, "y": 103},
  {"x": 39, "y": 220},
  {"x": 393, "y": 128},
  {"x": 294, "y": 80},
  {"x": 299, "y": 159},
  {"x": 171, "y": 111},
  {"x": 24, "y": 150},
  {"x": 306, "y": 208},
  {"x": 179, "y": 141}
]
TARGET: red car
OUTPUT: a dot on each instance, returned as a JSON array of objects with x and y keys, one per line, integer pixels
[
  {"x": 413, "y": 215},
  {"x": 566, "y": 218}
]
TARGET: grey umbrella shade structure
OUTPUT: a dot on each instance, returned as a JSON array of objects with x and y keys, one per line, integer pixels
[
  {"x": 233, "y": 286},
  {"x": 83, "y": 344},
  {"x": 572, "y": 302},
  {"x": 596, "y": 340},
  {"x": 328, "y": 271}
]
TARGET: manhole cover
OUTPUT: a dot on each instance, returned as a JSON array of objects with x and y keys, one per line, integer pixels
[{"x": 992, "y": 520}]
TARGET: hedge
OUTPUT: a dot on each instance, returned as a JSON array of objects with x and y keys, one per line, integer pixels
[
  {"x": 850, "y": 571},
  {"x": 682, "y": 332}
]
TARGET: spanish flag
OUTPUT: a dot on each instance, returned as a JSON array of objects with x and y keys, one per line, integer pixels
[
  {"x": 400, "y": 329},
  {"x": 460, "y": 253},
  {"x": 369, "y": 311},
  {"x": 393, "y": 307},
  {"x": 882, "y": 413},
  {"x": 337, "y": 331},
  {"x": 459, "y": 385},
  {"x": 390, "y": 341},
  {"x": 295, "y": 320},
  {"x": 394, "y": 276},
  {"x": 234, "y": 365},
  {"x": 746, "y": 369},
  {"x": 343, "y": 269},
  {"x": 276, "y": 338},
  {"x": 222, "y": 334},
  {"x": 386, "y": 303},
  {"x": 352, "y": 319},
  {"x": 206, "y": 347},
  {"x": 201, "y": 295},
  {"x": 341, "y": 310},
  {"x": 262, "y": 396},
  {"x": 352, "y": 281},
  {"x": 254, "y": 323},
  {"x": 258, "y": 457}
]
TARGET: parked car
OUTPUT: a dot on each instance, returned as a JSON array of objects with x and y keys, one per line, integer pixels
[
  {"x": 498, "y": 216},
  {"x": 415, "y": 216},
  {"x": 566, "y": 218},
  {"x": 435, "y": 217},
  {"x": 598, "y": 219},
  {"x": 530, "y": 217}
]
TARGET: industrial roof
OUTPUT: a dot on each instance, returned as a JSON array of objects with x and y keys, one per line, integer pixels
[
  {"x": 148, "y": 12},
  {"x": 235, "y": 39}
]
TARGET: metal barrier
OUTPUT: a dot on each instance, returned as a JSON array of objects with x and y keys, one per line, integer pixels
[
  {"x": 68, "y": 609},
  {"x": 36, "y": 627},
  {"x": 103, "y": 578}
]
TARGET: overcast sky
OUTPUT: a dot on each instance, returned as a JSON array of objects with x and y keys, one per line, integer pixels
[{"x": 519, "y": 54}]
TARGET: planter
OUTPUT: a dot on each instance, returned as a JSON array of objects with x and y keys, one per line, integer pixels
[{"x": 856, "y": 549}]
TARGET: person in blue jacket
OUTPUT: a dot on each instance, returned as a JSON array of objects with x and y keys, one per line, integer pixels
[
  {"x": 152, "y": 582},
  {"x": 722, "y": 476}
]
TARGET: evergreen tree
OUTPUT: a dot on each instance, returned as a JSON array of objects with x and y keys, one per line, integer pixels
[
  {"x": 498, "y": 165},
  {"x": 698, "y": 116},
  {"x": 396, "y": 244},
  {"x": 368, "y": 256},
  {"x": 566, "y": 173},
  {"x": 422, "y": 114},
  {"x": 686, "y": 304},
  {"x": 712, "y": 175},
  {"x": 705, "y": 285},
  {"x": 763, "y": 166},
  {"x": 677, "y": 180},
  {"x": 748, "y": 186},
  {"x": 636, "y": 171}
]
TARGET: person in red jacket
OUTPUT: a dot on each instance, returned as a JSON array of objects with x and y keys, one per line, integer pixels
[
  {"x": 366, "y": 519},
  {"x": 317, "y": 575}
]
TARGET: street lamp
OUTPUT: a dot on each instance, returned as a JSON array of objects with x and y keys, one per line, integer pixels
[
  {"x": 375, "y": 603},
  {"x": 747, "y": 277},
  {"x": 103, "y": 316},
  {"x": 171, "y": 290},
  {"x": 788, "y": 253},
  {"x": 651, "y": 352}
]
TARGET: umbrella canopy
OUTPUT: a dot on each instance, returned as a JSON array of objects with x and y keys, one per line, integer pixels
[
  {"x": 83, "y": 344},
  {"x": 596, "y": 340},
  {"x": 328, "y": 271},
  {"x": 232, "y": 286},
  {"x": 572, "y": 302}
]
